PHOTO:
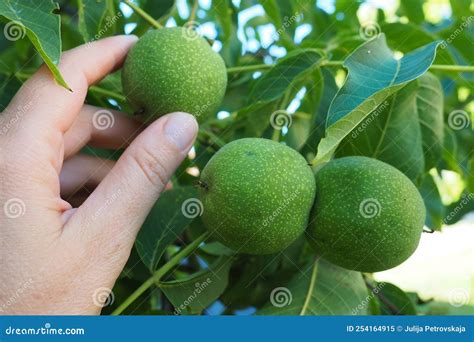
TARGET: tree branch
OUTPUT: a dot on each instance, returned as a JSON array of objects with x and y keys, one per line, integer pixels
[
  {"x": 439, "y": 67},
  {"x": 175, "y": 260},
  {"x": 148, "y": 18}
]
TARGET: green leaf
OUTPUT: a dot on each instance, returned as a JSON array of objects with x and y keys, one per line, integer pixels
[
  {"x": 373, "y": 306},
  {"x": 413, "y": 9},
  {"x": 257, "y": 118},
  {"x": 458, "y": 40},
  {"x": 430, "y": 104},
  {"x": 223, "y": 12},
  {"x": 470, "y": 179},
  {"x": 165, "y": 223},
  {"x": 435, "y": 210},
  {"x": 393, "y": 300},
  {"x": 406, "y": 130},
  {"x": 451, "y": 151},
  {"x": 328, "y": 88},
  {"x": 457, "y": 210},
  {"x": 289, "y": 16},
  {"x": 158, "y": 9},
  {"x": 373, "y": 75},
  {"x": 349, "y": 8},
  {"x": 103, "y": 153},
  {"x": 8, "y": 87},
  {"x": 196, "y": 292},
  {"x": 320, "y": 289},
  {"x": 70, "y": 35},
  {"x": 460, "y": 7},
  {"x": 408, "y": 37},
  {"x": 321, "y": 23},
  {"x": 227, "y": 22},
  {"x": 313, "y": 96},
  {"x": 390, "y": 133},
  {"x": 111, "y": 88},
  {"x": 112, "y": 82},
  {"x": 287, "y": 70},
  {"x": 96, "y": 18},
  {"x": 299, "y": 130},
  {"x": 36, "y": 19},
  {"x": 283, "y": 17},
  {"x": 272, "y": 11}
]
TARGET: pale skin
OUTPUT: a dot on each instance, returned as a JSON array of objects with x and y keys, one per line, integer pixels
[{"x": 58, "y": 250}]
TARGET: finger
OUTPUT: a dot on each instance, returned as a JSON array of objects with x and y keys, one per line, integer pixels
[
  {"x": 114, "y": 212},
  {"x": 82, "y": 172},
  {"x": 80, "y": 176},
  {"x": 54, "y": 107},
  {"x": 104, "y": 128},
  {"x": 80, "y": 196}
]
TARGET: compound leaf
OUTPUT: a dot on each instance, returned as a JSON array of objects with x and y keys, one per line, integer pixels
[{"x": 373, "y": 75}]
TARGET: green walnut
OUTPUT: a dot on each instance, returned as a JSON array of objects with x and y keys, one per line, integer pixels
[
  {"x": 257, "y": 195},
  {"x": 173, "y": 69},
  {"x": 367, "y": 215}
]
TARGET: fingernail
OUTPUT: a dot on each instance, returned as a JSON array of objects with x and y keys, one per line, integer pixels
[
  {"x": 126, "y": 36},
  {"x": 131, "y": 37},
  {"x": 181, "y": 128}
]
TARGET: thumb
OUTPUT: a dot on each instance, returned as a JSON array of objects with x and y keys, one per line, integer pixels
[{"x": 120, "y": 204}]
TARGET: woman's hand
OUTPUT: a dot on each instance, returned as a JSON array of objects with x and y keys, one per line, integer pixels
[{"x": 56, "y": 259}]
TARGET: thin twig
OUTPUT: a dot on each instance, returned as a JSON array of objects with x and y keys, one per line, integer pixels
[
  {"x": 438, "y": 67},
  {"x": 192, "y": 15},
  {"x": 148, "y": 18},
  {"x": 174, "y": 261}
]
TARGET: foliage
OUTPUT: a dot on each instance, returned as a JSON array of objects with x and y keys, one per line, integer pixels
[{"x": 286, "y": 62}]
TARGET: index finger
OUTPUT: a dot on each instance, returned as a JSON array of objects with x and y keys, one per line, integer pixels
[{"x": 53, "y": 105}]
